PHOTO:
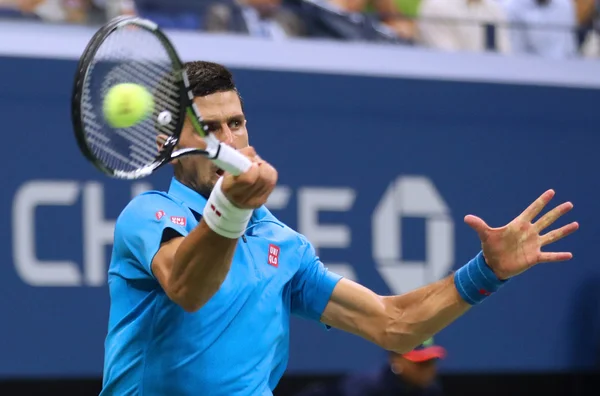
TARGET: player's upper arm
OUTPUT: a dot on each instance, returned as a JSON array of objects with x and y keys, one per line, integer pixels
[
  {"x": 357, "y": 310},
  {"x": 146, "y": 233},
  {"x": 163, "y": 261},
  {"x": 312, "y": 285}
]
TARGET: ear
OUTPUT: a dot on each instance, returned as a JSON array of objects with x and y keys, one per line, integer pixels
[{"x": 160, "y": 142}]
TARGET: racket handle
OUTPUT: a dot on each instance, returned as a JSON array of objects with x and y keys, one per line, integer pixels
[{"x": 231, "y": 160}]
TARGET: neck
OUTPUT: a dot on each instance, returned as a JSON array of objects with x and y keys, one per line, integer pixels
[{"x": 203, "y": 190}]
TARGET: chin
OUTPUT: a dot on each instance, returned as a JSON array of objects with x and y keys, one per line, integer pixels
[
  {"x": 211, "y": 183},
  {"x": 215, "y": 175}
]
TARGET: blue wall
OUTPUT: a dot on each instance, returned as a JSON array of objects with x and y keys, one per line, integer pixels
[{"x": 489, "y": 149}]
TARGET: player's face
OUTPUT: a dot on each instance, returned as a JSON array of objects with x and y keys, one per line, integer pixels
[{"x": 223, "y": 115}]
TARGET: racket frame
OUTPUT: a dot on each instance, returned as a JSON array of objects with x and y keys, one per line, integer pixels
[{"x": 224, "y": 156}]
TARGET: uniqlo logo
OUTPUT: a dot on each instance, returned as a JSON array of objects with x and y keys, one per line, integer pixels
[
  {"x": 178, "y": 220},
  {"x": 159, "y": 214},
  {"x": 274, "y": 255}
]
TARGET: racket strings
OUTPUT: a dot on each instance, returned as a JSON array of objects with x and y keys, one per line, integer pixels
[{"x": 130, "y": 55}]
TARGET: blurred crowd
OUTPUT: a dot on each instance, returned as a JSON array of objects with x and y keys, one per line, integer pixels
[{"x": 550, "y": 28}]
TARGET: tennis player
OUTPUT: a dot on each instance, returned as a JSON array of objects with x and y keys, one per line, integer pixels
[{"x": 203, "y": 278}]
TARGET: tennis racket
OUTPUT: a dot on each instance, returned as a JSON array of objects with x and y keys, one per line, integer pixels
[{"x": 135, "y": 50}]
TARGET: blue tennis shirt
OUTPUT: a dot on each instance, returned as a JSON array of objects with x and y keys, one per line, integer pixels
[{"x": 238, "y": 342}]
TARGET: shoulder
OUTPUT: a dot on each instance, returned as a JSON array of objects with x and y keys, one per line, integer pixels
[
  {"x": 270, "y": 227},
  {"x": 150, "y": 206},
  {"x": 150, "y": 202},
  {"x": 298, "y": 239}
]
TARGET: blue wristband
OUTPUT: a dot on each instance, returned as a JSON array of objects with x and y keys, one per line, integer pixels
[{"x": 475, "y": 281}]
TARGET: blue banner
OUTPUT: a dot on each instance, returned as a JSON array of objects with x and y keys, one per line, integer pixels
[{"x": 377, "y": 172}]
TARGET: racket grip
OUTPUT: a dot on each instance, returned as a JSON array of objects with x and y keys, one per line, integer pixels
[{"x": 231, "y": 160}]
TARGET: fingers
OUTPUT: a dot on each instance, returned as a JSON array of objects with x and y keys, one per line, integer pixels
[
  {"x": 252, "y": 188},
  {"x": 551, "y": 257},
  {"x": 249, "y": 152},
  {"x": 265, "y": 180},
  {"x": 249, "y": 177},
  {"x": 478, "y": 225},
  {"x": 559, "y": 234},
  {"x": 260, "y": 169},
  {"x": 552, "y": 216},
  {"x": 536, "y": 207}
]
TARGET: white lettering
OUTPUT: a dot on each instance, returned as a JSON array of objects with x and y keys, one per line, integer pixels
[
  {"x": 412, "y": 196},
  {"x": 311, "y": 201},
  {"x": 408, "y": 196},
  {"x": 33, "y": 271},
  {"x": 279, "y": 198},
  {"x": 139, "y": 188},
  {"x": 97, "y": 234}
]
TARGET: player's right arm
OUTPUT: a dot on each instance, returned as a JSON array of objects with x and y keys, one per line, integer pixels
[
  {"x": 203, "y": 260},
  {"x": 191, "y": 269}
]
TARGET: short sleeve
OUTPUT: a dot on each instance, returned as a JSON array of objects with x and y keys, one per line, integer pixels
[
  {"x": 312, "y": 286},
  {"x": 140, "y": 228}
]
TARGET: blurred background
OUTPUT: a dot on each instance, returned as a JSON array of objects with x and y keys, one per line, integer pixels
[{"x": 388, "y": 120}]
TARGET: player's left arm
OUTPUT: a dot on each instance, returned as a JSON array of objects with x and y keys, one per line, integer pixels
[
  {"x": 396, "y": 323},
  {"x": 400, "y": 323}
]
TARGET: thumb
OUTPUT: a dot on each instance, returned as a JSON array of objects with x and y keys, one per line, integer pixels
[{"x": 478, "y": 225}]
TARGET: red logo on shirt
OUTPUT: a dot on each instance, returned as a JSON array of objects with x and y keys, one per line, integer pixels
[
  {"x": 178, "y": 220},
  {"x": 159, "y": 215},
  {"x": 274, "y": 255}
]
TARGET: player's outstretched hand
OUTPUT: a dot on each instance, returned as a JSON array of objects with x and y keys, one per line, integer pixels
[
  {"x": 251, "y": 189},
  {"x": 517, "y": 246}
]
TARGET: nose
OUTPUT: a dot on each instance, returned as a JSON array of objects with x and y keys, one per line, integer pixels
[{"x": 225, "y": 135}]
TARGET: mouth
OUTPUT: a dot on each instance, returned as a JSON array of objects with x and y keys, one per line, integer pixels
[{"x": 219, "y": 172}]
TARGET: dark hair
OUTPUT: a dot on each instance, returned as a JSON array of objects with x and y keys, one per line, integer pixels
[{"x": 207, "y": 78}]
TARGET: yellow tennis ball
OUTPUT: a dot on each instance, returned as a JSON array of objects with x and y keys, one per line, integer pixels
[{"x": 127, "y": 104}]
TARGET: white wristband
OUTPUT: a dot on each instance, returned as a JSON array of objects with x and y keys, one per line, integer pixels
[{"x": 223, "y": 217}]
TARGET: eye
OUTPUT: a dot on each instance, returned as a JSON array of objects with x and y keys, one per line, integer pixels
[
  {"x": 211, "y": 127},
  {"x": 235, "y": 124}
]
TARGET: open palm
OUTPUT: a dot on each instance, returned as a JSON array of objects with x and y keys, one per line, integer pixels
[{"x": 517, "y": 246}]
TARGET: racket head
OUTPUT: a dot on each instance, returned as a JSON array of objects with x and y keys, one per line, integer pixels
[{"x": 131, "y": 50}]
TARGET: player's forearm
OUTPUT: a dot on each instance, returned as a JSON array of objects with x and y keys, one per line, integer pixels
[
  {"x": 416, "y": 316},
  {"x": 419, "y": 314},
  {"x": 202, "y": 262}
]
